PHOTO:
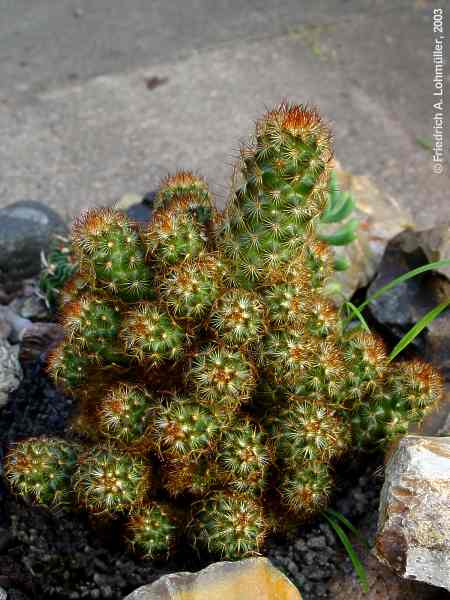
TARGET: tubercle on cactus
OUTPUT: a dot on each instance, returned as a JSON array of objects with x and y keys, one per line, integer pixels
[
  {"x": 228, "y": 526},
  {"x": 92, "y": 324},
  {"x": 238, "y": 317},
  {"x": 183, "y": 190},
  {"x": 183, "y": 428},
  {"x": 305, "y": 489},
  {"x": 125, "y": 412},
  {"x": 222, "y": 376},
  {"x": 153, "y": 530},
  {"x": 112, "y": 253},
  {"x": 150, "y": 335},
  {"x": 110, "y": 480},
  {"x": 173, "y": 236},
  {"x": 210, "y": 367}
]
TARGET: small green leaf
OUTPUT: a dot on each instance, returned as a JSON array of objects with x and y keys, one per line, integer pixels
[
  {"x": 417, "y": 328},
  {"x": 426, "y": 143},
  {"x": 357, "y": 564},
  {"x": 341, "y": 263},
  {"x": 343, "y": 236},
  {"x": 337, "y": 515},
  {"x": 333, "y": 198},
  {"x": 341, "y": 211},
  {"x": 353, "y": 309},
  {"x": 398, "y": 280}
]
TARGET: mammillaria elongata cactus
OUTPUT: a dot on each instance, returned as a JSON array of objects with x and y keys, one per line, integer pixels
[{"x": 211, "y": 369}]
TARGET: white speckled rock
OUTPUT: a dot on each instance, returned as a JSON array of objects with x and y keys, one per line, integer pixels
[
  {"x": 10, "y": 370},
  {"x": 250, "y": 579},
  {"x": 414, "y": 523}
]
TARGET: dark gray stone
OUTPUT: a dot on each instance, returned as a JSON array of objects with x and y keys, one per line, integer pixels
[
  {"x": 400, "y": 308},
  {"x": 140, "y": 213},
  {"x": 26, "y": 229},
  {"x": 137, "y": 208}
]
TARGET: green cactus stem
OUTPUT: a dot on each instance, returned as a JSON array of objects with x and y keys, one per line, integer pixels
[
  {"x": 68, "y": 367},
  {"x": 190, "y": 288},
  {"x": 238, "y": 318},
  {"x": 285, "y": 186},
  {"x": 41, "y": 469},
  {"x": 57, "y": 268},
  {"x": 222, "y": 377},
  {"x": 153, "y": 530},
  {"x": 183, "y": 190},
  {"x": 245, "y": 458},
  {"x": 124, "y": 413},
  {"x": 150, "y": 335},
  {"x": 307, "y": 430},
  {"x": 229, "y": 526},
  {"x": 108, "y": 480},
  {"x": 174, "y": 236},
  {"x": 112, "y": 253},
  {"x": 184, "y": 429},
  {"x": 92, "y": 324},
  {"x": 305, "y": 489}
]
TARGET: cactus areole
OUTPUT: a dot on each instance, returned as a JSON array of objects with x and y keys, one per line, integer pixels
[{"x": 210, "y": 367}]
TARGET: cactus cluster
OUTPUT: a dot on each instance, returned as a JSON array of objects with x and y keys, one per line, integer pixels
[{"x": 217, "y": 385}]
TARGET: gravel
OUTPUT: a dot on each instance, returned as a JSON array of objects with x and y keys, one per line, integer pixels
[
  {"x": 312, "y": 556},
  {"x": 62, "y": 556}
]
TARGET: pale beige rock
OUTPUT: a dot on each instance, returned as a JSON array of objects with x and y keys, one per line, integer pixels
[
  {"x": 382, "y": 583},
  {"x": 126, "y": 201},
  {"x": 250, "y": 579},
  {"x": 414, "y": 522},
  {"x": 435, "y": 243},
  {"x": 380, "y": 219}
]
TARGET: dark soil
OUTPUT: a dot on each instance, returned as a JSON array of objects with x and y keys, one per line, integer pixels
[{"x": 62, "y": 556}]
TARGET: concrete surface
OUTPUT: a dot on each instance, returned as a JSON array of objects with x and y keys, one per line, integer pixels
[{"x": 81, "y": 123}]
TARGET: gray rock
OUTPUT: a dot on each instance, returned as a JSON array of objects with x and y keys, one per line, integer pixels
[
  {"x": 400, "y": 308},
  {"x": 250, "y": 579},
  {"x": 406, "y": 303},
  {"x": 413, "y": 536},
  {"x": 37, "y": 339},
  {"x": 435, "y": 243},
  {"x": 138, "y": 208},
  {"x": 30, "y": 304},
  {"x": 10, "y": 370},
  {"x": 26, "y": 229},
  {"x": 12, "y": 325}
]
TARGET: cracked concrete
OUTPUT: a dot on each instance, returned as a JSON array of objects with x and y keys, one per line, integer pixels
[{"x": 98, "y": 99}]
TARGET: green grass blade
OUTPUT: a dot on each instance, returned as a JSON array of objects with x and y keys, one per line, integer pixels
[
  {"x": 352, "y": 308},
  {"x": 340, "y": 517},
  {"x": 357, "y": 564},
  {"x": 398, "y": 280},
  {"x": 345, "y": 235},
  {"x": 417, "y": 328}
]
